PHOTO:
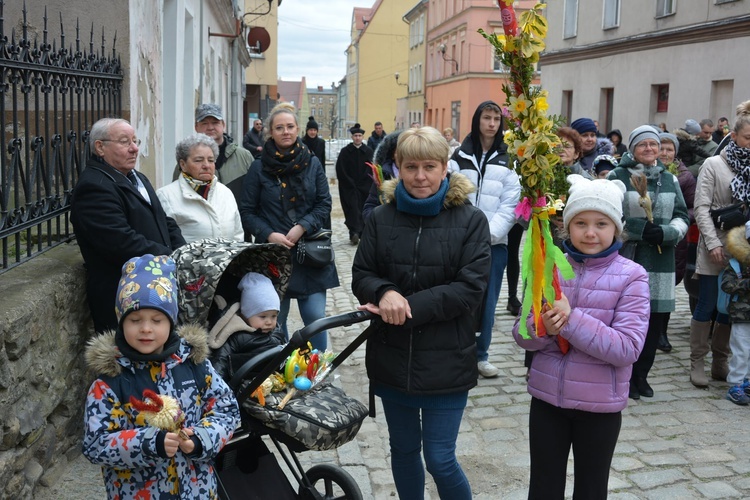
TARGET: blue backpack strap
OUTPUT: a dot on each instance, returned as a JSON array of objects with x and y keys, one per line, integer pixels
[{"x": 735, "y": 265}]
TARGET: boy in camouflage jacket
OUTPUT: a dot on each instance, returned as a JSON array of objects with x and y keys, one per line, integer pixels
[{"x": 739, "y": 313}]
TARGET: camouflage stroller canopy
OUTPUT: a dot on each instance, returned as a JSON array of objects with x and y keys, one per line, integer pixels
[{"x": 201, "y": 265}]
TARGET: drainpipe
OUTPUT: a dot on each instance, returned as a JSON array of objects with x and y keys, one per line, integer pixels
[
  {"x": 200, "y": 57},
  {"x": 356, "y": 87}
]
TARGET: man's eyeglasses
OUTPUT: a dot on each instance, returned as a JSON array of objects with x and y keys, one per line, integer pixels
[{"x": 124, "y": 142}]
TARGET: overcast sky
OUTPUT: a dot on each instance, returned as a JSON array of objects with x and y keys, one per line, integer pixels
[{"x": 313, "y": 35}]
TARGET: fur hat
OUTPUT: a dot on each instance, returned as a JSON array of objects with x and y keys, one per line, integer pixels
[
  {"x": 356, "y": 129},
  {"x": 642, "y": 133},
  {"x": 311, "y": 123},
  {"x": 599, "y": 195},
  {"x": 258, "y": 295},
  {"x": 692, "y": 127},
  {"x": 583, "y": 125},
  {"x": 148, "y": 282},
  {"x": 604, "y": 163},
  {"x": 203, "y": 111},
  {"x": 667, "y": 136}
]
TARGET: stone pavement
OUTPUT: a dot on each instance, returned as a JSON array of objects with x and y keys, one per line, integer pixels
[{"x": 678, "y": 444}]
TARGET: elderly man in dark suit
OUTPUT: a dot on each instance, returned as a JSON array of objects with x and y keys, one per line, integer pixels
[{"x": 116, "y": 215}]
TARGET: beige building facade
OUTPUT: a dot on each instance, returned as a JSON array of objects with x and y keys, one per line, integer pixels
[
  {"x": 626, "y": 63},
  {"x": 323, "y": 105},
  {"x": 260, "y": 90},
  {"x": 413, "y": 107},
  {"x": 377, "y": 51}
]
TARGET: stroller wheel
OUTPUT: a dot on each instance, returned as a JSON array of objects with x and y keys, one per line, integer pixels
[{"x": 330, "y": 482}]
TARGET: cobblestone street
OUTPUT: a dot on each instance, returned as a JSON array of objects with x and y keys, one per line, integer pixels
[{"x": 682, "y": 443}]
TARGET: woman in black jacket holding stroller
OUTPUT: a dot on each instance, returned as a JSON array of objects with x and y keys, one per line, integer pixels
[{"x": 422, "y": 265}]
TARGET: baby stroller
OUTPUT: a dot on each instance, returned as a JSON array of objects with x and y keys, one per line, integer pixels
[{"x": 322, "y": 418}]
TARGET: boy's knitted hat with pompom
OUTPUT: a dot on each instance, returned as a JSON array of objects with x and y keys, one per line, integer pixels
[{"x": 599, "y": 195}]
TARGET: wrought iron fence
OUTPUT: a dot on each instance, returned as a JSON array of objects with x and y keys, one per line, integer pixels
[{"x": 50, "y": 96}]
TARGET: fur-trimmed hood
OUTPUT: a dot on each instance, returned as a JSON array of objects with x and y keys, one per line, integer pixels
[
  {"x": 103, "y": 357},
  {"x": 459, "y": 188},
  {"x": 604, "y": 146},
  {"x": 738, "y": 246}
]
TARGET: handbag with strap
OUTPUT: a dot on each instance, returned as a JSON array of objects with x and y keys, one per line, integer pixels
[{"x": 315, "y": 250}]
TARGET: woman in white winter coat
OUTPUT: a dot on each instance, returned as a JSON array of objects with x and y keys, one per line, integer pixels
[{"x": 202, "y": 206}]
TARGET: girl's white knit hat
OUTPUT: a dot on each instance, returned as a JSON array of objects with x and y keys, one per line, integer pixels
[{"x": 599, "y": 195}]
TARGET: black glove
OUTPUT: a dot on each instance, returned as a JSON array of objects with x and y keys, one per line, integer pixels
[{"x": 653, "y": 233}]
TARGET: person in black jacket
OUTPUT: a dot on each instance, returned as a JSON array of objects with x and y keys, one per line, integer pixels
[
  {"x": 355, "y": 179},
  {"x": 315, "y": 144},
  {"x": 246, "y": 328},
  {"x": 253, "y": 140},
  {"x": 422, "y": 266},
  {"x": 377, "y": 136},
  {"x": 116, "y": 216}
]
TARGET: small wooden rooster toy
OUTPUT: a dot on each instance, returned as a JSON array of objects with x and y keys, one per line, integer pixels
[{"x": 162, "y": 412}]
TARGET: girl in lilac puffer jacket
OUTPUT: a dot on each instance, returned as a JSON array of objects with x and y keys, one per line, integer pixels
[{"x": 577, "y": 397}]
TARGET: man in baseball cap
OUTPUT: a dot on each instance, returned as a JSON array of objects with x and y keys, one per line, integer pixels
[{"x": 233, "y": 160}]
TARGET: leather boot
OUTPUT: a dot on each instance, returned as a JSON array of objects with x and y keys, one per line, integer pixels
[
  {"x": 720, "y": 350},
  {"x": 699, "y": 331}
]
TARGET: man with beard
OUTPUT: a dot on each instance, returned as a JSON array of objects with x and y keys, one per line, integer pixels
[{"x": 354, "y": 181}]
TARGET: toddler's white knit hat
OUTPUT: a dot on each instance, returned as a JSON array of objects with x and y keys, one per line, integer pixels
[
  {"x": 599, "y": 195},
  {"x": 258, "y": 295}
]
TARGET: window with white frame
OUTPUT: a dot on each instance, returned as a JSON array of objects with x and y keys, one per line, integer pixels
[
  {"x": 420, "y": 33},
  {"x": 611, "y": 14},
  {"x": 665, "y": 7},
  {"x": 570, "y": 19}
]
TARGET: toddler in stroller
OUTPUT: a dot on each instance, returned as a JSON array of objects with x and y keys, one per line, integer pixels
[
  {"x": 246, "y": 328},
  {"x": 223, "y": 283}
]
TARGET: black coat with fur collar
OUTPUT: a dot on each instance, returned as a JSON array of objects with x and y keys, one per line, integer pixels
[{"x": 441, "y": 265}]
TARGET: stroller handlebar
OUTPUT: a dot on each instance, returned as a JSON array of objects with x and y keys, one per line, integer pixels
[
  {"x": 302, "y": 336},
  {"x": 272, "y": 359}
]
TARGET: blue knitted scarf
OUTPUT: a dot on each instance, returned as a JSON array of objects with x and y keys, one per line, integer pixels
[
  {"x": 428, "y": 207},
  {"x": 580, "y": 257}
]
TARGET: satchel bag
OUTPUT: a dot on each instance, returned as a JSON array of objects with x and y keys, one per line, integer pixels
[
  {"x": 726, "y": 218},
  {"x": 315, "y": 250},
  {"x": 322, "y": 418}
]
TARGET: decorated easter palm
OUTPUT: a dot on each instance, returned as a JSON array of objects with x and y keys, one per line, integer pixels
[{"x": 533, "y": 144}]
